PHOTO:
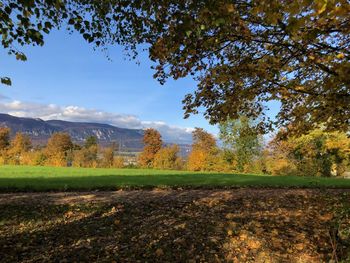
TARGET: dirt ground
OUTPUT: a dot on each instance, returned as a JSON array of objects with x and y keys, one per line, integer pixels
[{"x": 164, "y": 225}]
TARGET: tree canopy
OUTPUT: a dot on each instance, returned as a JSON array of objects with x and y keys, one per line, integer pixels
[
  {"x": 241, "y": 140},
  {"x": 4, "y": 138},
  {"x": 243, "y": 53},
  {"x": 152, "y": 141}
]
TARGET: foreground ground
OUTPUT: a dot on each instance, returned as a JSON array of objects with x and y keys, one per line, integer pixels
[
  {"x": 163, "y": 225},
  {"x": 37, "y": 178}
]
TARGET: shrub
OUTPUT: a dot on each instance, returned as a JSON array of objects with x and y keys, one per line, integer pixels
[
  {"x": 118, "y": 162},
  {"x": 107, "y": 158},
  {"x": 85, "y": 157},
  {"x": 167, "y": 158}
]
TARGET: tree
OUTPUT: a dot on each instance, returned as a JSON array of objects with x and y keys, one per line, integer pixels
[
  {"x": 85, "y": 157},
  {"x": 20, "y": 145},
  {"x": 35, "y": 157},
  {"x": 26, "y": 22},
  {"x": 242, "y": 139},
  {"x": 167, "y": 158},
  {"x": 118, "y": 162},
  {"x": 152, "y": 144},
  {"x": 205, "y": 154},
  {"x": 279, "y": 161},
  {"x": 197, "y": 160},
  {"x": 4, "y": 144},
  {"x": 245, "y": 53},
  {"x": 242, "y": 53},
  {"x": 321, "y": 153},
  {"x": 90, "y": 141},
  {"x": 318, "y": 153},
  {"x": 203, "y": 140},
  {"x": 4, "y": 138},
  {"x": 107, "y": 157},
  {"x": 59, "y": 148}
]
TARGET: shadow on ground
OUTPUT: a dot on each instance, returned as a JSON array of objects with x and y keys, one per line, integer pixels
[{"x": 242, "y": 225}]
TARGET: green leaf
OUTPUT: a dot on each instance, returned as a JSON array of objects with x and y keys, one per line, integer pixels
[
  {"x": 48, "y": 25},
  {"x": 21, "y": 56},
  {"x": 220, "y": 21},
  {"x": 86, "y": 36},
  {"x": 6, "y": 81},
  {"x": 71, "y": 21}
]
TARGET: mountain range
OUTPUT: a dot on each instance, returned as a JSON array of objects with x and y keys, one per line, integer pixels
[
  {"x": 40, "y": 131},
  {"x": 128, "y": 140}
]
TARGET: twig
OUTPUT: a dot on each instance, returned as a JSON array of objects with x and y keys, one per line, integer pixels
[{"x": 332, "y": 237}]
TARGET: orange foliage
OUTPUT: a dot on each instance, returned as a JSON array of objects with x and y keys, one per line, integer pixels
[
  {"x": 20, "y": 144},
  {"x": 107, "y": 158},
  {"x": 167, "y": 158},
  {"x": 197, "y": 160},
  {"x": 4, "y": 138},
  {"x": 205, "y": 156},
  {"x": 59, "y": 149},
  {"x": 85, "y": 157},
  {"x": 153, "y": 143},
  {"x": 118, "y": 162}
]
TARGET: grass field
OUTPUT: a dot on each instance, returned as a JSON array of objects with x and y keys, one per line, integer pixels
[
  {"x": 27, "y": 178},
  {"x": 54, "y": 223}
]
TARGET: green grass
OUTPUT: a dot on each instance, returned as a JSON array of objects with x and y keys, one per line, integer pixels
[{"x": 30, "y": 178}]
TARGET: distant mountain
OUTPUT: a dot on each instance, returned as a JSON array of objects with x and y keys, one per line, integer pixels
[{"x": 40, "y": 131}]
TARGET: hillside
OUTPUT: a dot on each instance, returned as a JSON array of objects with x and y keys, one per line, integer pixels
[{"x": 40, "y": 130}]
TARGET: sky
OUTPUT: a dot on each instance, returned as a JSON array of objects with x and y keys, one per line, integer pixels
[{"x": 67, "y": 79}]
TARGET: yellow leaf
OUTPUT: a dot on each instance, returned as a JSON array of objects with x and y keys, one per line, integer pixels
[
  {"x": 340, "y": 56},
  {"x": 230, "y": 8},
  {"x": 274, "y": 232},
  {"x": 299, "y": 246},
  {"x": 323, "y": 7},
  {"x": 254, "y": 244}
]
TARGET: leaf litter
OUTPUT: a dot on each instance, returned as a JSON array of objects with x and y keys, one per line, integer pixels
[{"x": 167, "y": 225}]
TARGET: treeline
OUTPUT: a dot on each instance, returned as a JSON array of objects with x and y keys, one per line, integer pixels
[
  {"x": 59, "y": 151},
  {"x": 242, "y": 149}
]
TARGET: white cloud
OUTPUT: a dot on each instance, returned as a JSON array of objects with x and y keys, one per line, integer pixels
[{"x": 80, "y": 114}]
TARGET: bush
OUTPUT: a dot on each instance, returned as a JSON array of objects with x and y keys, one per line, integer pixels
[
  {"x": 107, "y": 158},
  {"x": 85, "y": 157},
  {"x": 118, "y": 162},
  {"x": 167, "y": 158},
  {"x": 197, "y": 160}
]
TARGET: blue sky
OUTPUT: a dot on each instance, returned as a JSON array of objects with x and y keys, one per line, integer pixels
[{"x": 67, "y": 79}]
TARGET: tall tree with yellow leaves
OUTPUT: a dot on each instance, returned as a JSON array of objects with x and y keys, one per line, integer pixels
[
  {"x": 168, "y": 158},
  {"x": 204, "y": 154},
  {"x": 152, "y": 144},
  {"x": 107, "y": 157},
  {"x": 4, "y": 138},
  {"x": 4, "y": 144},
  {"x": 59, "y": 149},
  {"x": 20, "y": 145}
]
